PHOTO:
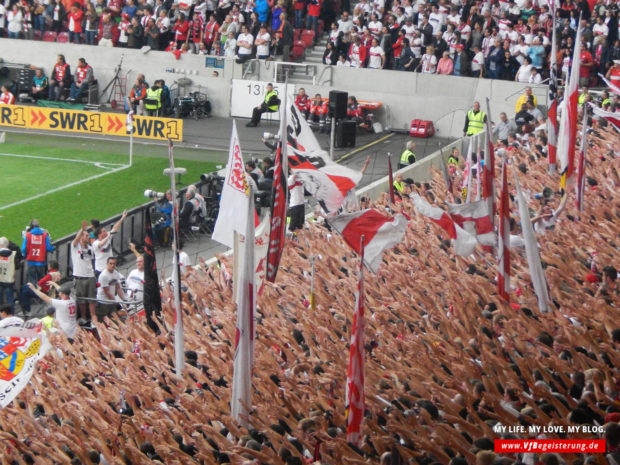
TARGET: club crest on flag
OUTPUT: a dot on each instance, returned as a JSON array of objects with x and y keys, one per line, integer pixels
[{"x": 237, "y": 179}]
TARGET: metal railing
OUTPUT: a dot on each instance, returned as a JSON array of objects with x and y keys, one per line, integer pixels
[
  {"x": 316, "y": 81},
  {"x": 252, "y": 68},
  {"x": 284, "y": 69}
]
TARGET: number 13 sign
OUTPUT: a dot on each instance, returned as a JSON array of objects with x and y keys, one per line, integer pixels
[{"x": 249, "y": 94}]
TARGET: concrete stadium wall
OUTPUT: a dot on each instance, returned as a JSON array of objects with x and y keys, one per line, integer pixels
[{"x": 442, "y": 99}]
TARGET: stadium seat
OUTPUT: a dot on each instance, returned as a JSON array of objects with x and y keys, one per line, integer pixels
[
  {"x": 297, "y": 35},
  {"x": 49, "y": 36},
  {"x": 307, "y": 37},
  {"x": 298, "y": 51},
  {"x": 63, "y": 37},
  {"x": 38, "y": 35}
]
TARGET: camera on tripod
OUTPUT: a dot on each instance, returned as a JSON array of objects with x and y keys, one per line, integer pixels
[{"x": 151, "y": 194}]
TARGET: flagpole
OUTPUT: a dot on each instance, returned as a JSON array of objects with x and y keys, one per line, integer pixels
[
  {"x": 391, "y": 178},
  {"x": 179, "y": 353},
  {"x": 130, "y": 128},
  {"x": 312, "y": 296},
  {"x": 581, "y": 165},
  {"x": 552, "y": 104}
]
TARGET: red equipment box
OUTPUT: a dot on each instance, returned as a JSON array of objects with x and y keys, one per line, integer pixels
[{"x": 421, "y": 128}]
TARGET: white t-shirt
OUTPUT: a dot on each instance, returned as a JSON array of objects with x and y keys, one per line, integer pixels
[
  {"x": 11, "y": 321},
  {"x": 229, "y": 47},
  {"x": 374, "y": 57},
  {"x": 436, "y": 20},
  {"x": 103, "y": 250},
  {"x": 263, "y": 49},
  {"x": 249, "y": 40},
  {"x": 345, "y": 26},
  {"x": 135, "y": 283},
  {"x": 375, "y": 27},
  {"x": 477, "y": 62},
  {"x": 524, "y": 73},
  {"x": 82, "y": 260},
  {"x": 429, "y": 63},
  {"x": 296, "y": 191},
  {"x": 108, "y": 280},
  {"x": 184, "y": 262},
  {"x": 66, "y": 312}
]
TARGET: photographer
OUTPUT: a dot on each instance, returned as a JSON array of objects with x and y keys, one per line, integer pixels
[{"x": 162, "y": 219}]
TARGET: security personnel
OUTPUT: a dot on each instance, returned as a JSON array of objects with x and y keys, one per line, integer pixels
[
  {"x": 474, "y": 121},
  {"x": 399, "y": 184},
  {"x": 270, "y": 104},
  {"x": 8, "y": 265},
  {"x": 152, "y": 102},
  {"x": 408, "y": 157}
]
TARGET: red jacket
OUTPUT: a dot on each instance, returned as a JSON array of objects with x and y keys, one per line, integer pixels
[
  {"x": 77, "y": 16},
  {"x": 181, "y": 30},
  {"x": 7, "y": 98},
  {"x": 114, "y": 30},
  {"x": 211, "y": 30},
  {"x": 302, "y": 102}
]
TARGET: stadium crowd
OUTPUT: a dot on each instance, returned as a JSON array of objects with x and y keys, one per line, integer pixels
[
  {"x": 444, "y": 362},
  {"x": 507, "y": 40}
]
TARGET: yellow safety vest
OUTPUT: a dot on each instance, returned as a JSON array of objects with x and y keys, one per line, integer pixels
[
  {"x": 404, "y": 158},
  {"x": 268, "y": 97},
  {"x": 475, "y": 122},
  {"x": 452, "y": 161},
  {"x": 48, "y": 321},
  {"x": 153, "y": 95},
  {"x": 581, "y": 99},
  {"x": 399, "y": 186},
  {"x": 606, "y": 102}
]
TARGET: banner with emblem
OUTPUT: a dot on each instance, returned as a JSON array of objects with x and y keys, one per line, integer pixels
[
  {"x": 21, "y": 347},
  {"x": 235, "y": 193}
]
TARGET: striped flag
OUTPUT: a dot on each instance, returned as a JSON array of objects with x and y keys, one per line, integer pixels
[
  {"x": 613, "y": 118},
  {"x": 241, "y": 400},
  {"x": 475, "y": 218},
  {"x": 567, "y": 135},
  {"x": 613, "y": 87},
  {"x": 379, "y": 233},
  {"x": 279, "y": 203},
  {"x": 488, "y": 188},
  {"x": 464, "y": 243},
  {"x": 503, "y": 242},
  {"x": 580, "y": 185},
  {"x": 532, "y": 253},
  {"x": 354, "y": 398},
  {"x": 552, "y": 103}
]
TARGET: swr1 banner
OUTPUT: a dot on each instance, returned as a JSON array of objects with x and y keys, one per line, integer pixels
[{"x": 89, "y": 122}]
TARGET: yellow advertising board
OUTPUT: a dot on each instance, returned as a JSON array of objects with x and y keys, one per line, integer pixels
[{"x": 89, "y": 122}]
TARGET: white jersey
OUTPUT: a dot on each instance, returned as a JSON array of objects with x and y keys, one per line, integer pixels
[
  {"x": 375, "y": 55},
  {"x": 108, "y": 281},
  {"x": 184, "y": 262},
  {"x": 263, "y": 49},
  {"x": 429, "y": 63},
  {"x": 103, "y": 250},
  {"x": 82, "y": 260},
  {"x": 135, "y": 283},
  {"x": 66, "y": 312}
]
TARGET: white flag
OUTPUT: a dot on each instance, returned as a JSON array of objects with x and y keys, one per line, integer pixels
[
  {"x": 235, "y": 194},
  {"x": 245, "y": 297},
  {"x": 531, "y": 250}
]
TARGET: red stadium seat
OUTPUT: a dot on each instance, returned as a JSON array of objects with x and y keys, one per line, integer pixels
[
  {"x": 38, "y": 35},
  {"x": 63, "y": 37},
  {"x": 297, "y": 35},
  {"x": 307, "y": 37},
  {"x": 49, "y": 36},
  {"x": 298, "y": 51}
]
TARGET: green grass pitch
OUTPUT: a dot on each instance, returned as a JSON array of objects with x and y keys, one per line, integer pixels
[{"x": 34, "y": 165}]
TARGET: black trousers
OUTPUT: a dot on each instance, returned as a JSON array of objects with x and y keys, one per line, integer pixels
[
  {"x": 297, "y": 217},
  {"x": 258, "y": 112}
]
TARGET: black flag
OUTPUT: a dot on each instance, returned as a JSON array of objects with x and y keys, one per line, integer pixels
[{"x": 152, "y": 296}]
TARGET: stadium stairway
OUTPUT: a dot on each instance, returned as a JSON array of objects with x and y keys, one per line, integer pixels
[{"x": 313, "y": 56}]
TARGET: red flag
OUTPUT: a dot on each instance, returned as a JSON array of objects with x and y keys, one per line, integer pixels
[
  {"x": 503, "y": 244},
  {"x": 391, "y": 178},
  {"x": 279, "y": 203},
  {"x": 379, "y": 233},
  {"x": 552, "y": 103},
  {"x": 474, "y": 217},
  {"x": 581, "y": 165},
  {"x": 568, "y": 122},
  {"x": 354, "y": 399},
  {"x": 464, "y": 243}
]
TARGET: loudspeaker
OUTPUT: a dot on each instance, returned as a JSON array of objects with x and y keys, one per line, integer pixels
[
  {"x": 338, "y": 104},
  {"x": 345, "y": 133}
]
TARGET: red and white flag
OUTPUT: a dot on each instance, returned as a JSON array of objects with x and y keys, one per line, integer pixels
[
  {"x": 567, "y": 136},
  {"x": 464, "y": 243},
  {"x": 552, "y": 102},
  {"x": 475, "y": 218},
  {"x": 488, "y": 188},
  {"x": 327, "y": 181},
  {"x": 380, "y": 233},
  {"x": 354, "y": 397},
  {"x": 235, "y": 194},
  {"x": 279, "y": 204},
  {"x": 532, "y": 253},
  {"x": 503, "y": 240},
  {"x": 245, "y": 297},
  {"x": 613, "y": 118},
  {"x": 261, "y": 245},
  {"x": 580, "y": 185},
  {"x": 613, "y": 87}
]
